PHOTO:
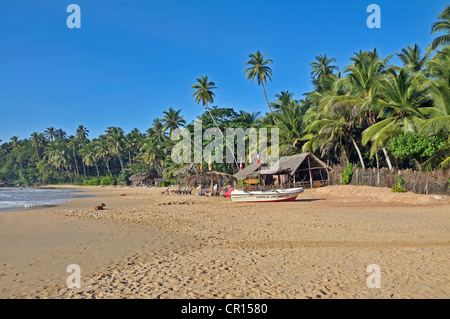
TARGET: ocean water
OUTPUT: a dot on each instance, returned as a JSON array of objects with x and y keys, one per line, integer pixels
[{"x": 28, "y": 198}]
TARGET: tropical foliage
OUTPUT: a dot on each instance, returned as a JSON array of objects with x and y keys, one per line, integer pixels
[{"x": 371, "y": 113}]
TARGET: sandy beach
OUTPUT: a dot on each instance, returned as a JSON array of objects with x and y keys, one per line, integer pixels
[{"x": 148, "y": 245}]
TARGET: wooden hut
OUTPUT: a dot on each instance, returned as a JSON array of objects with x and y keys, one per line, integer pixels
[
  {"x": 304, "y": 169},
  {"x": 142, "y": 179},
  {"x": 211, "y": 177},
  {"x": 249, "y": 171}
]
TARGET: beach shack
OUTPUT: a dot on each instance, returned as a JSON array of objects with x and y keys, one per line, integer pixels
[
  {"x": 249, "y": 171},
  {"x": 300, "y": 170},
  {"x": 143, "y": 179}
]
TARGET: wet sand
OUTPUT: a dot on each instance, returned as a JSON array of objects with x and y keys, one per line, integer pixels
[{"x": 147, "y": 245}]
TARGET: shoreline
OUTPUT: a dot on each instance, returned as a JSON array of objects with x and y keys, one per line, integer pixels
[{"x": 147, "y": 245}]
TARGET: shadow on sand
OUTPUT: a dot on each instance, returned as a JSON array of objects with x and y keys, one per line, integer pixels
[{"x": 308, "y": 199}]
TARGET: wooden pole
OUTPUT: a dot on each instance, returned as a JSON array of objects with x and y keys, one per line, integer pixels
[{"x": 310, "y": 175}]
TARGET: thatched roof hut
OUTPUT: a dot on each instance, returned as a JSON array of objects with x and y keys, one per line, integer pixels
[
  {"x": 290, "y": 164},
  {"x": 187, "y": 170},
  {"x": 211, "y": 177},
  {"x": 249, "y": 171},
  {"x": 142, "y": 178},
  {"x": 304, "y": 169}
]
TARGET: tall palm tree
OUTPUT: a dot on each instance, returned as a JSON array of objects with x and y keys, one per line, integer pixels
[
  {"x": 204, "y": 94},
  {"x": 438, "y": 66},
  {"x": 60, "y": 133},
  {"x": 173, "y": 120},
  {"x": 102, "y": 151},
  {"x": 89, "y": 156},
  {"x": 115, "y": 137},
  {"x": 260, "y": 70},
  {"x": 283, "y": 98},
  {"x": 74, "y": 145},
  {"x": 335, "y": 127},
  {"x": 36, "y": 142},
  {"x": 157, "y": 131},
  {"x": 412, "y": 59},
  {"x": 152, "y": 154},
  {"x": 402, "y": 95},
  {"x": 16, "y": 146},
  {"x": 362, "y": 80},
  {"x": 438, "y": 122},
  {"x": 290, "y": 124},
  {"x": 50, "y": 133},
  {"x": 321, "y": 68},
  {"x": 442, "y": 25},
  {"x": 82, "y": 132}
]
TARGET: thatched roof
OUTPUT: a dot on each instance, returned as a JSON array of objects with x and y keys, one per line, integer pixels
[
  {"x": 211, "y": 176},
  {"x": 140, "y": 177},
  {"x": 289, "y": 164},
  {"x": 248, "y": 172},
  {"x": 189, "y": 169}
]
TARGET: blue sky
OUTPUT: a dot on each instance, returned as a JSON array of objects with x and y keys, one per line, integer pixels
[{"x": 131, "y": 60}]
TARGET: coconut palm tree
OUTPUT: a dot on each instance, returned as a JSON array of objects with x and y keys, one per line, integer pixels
[
  {"x": 290, "y": 124},
  {"x": 412, "y": 59},
  {"x": 152, "y": 155},
  {"x": 362, "y": 80},
  {"x": 442, "y": 25},
  {"x": 438, "y": 123},
  {"x": 321, "y": 68},
  {"x": 60, "y": 134},
  {"x": 82, "y": 132},
  {"x": 102, "y": 151},
  {"x": 115, "y": 137},
  {"x": 36, "y": 142},
  {"x": 283, "y": 98},
  {"x": 337, "y": 127},
  {"x": 74, "y": 145},
  {"x": 157, "y": 131},
  {"x": 402, "y": 95},
  {"x": 260, "y": 70},
  {"x": 204, "y": 94},
  {"x": 173, "y": 120},
  {"x": 438, "y": 67},
  {"x": 50, "y": 133},
  {"x": 89, "y": 156}
]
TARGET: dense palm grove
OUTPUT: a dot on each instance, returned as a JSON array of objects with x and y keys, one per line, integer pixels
[{"x": 372, "y": 114}]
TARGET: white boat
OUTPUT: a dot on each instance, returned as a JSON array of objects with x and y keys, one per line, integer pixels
[{"x": 279, "y": 195}]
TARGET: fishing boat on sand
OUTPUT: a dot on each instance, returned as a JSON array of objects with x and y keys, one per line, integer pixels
[{"x": 279, "y": 195}]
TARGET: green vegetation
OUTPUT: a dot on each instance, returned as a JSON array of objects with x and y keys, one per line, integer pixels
[
  {"x": 371, "y": 114},
  {"x": 347, "y": 174},
  {"x": 398, "y": 188}
]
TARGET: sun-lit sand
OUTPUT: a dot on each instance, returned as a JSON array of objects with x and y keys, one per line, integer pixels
[{"x": 147, "y": 245}]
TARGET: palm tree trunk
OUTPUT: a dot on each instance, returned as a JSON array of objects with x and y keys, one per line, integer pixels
[
  {"x": 76, "y": 164},
  {"x": 265, "y": 95},
  {"x": 359, "y": 152},
  {"x": 98, "y": 173},
  {"x": 120, "y": 161},
  {"x": 37, "y": 153},
  {"x": 107, "y": 166},
  {"x": 388, "y": 161},
  {"x": 84, "y": 169}
]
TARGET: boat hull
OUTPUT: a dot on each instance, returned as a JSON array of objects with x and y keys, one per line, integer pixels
[{"x": 266, "y": 196}]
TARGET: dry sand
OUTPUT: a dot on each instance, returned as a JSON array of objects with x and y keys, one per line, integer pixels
[{"x": 147, "y": 245}]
